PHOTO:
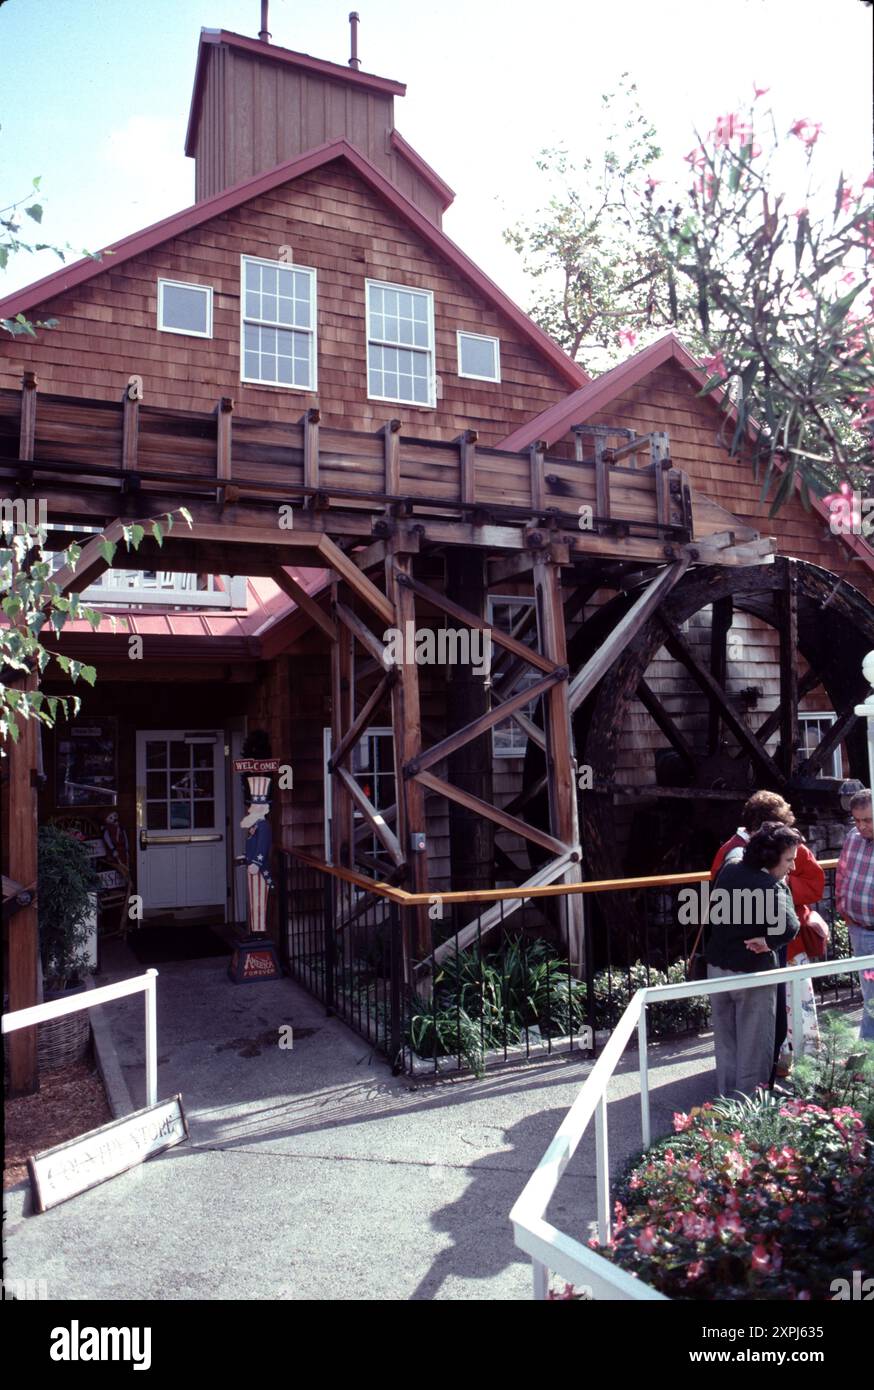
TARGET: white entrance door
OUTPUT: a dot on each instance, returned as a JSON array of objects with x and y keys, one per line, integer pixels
[{"x": 181, "y": 857}]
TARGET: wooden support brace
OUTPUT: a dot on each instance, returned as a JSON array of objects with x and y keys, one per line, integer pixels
[
  {"x": 311, "y": 448},
  {"x": 369, "y": 641},
  {"x": 480, "y": 726},
  {"x": 358, "y": 582},
  {"x": 27, "y": 425},
  {"x": 224, "y": 424},
  {"x": 830, "y": 741},
  {"x": 374, "y": 818},
  {"x": 289, "y": 585},
  {"x": 392, "y": 445},
  {"x": 130, "y": 424},
  {"x": 656, "y": 710},
  {"x": 787, "y": 608},
  {"x": 467, "y": 466},
  {"x": 538, "y": 481},
  {"x": 359, "y": 726},
  {"x": 471, "y": 620},
  {"x": 482, "y": 808},
  {"x": 342, "y": 715},
  {"x": 809, "y": 681},
  {"x": 91, "y": 561}
]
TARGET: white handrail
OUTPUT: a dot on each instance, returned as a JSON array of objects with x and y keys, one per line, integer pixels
[
  {"x": 551, "y": 1249},
  {"x": 39, "y": 1013}
]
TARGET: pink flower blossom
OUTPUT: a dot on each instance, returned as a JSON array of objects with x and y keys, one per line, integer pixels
[
  {"x": 695, "y": 1270},
  {"x": 849, "y": 278},
  {"x": 868, "y": 974},
  {"x": 759, "y": 91},
  {"x": 682, "y": 1121},
  {"x": 728, "y": 1223},
  {"x": 807, "y": 130},
  {"x": 848, "y": 197},
  {"x": 646, "y": 1241},
  {"x": 801, "y": 212},
  {"x": 736, "y": 1166},
  {"x": 696, "y": 1227},
  {"x": 729, "y": 128},
  {"x": 627, "y": 337},
  {"x": 869, "y": 182},
  {"x": 760, "y": 1260},
  {"x": 652, "y": 183},
  {"x": 697, "y": 157},
  {"x": 694, "y": 1172},
  {"x": 715, "y": 366}
]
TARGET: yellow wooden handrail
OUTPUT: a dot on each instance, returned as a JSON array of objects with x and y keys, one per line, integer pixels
[{"x": 494, "y": 895}]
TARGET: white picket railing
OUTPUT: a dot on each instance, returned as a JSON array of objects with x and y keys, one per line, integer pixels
[
  {"x": 552, "y": 1250},
  {"x": 39, "y": 1013}
]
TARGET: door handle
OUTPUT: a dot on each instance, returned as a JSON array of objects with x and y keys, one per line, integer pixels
[{"x": 146, "y": 840}]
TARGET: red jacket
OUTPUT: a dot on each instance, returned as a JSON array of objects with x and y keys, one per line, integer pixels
[{"x": 806, "y": 883}]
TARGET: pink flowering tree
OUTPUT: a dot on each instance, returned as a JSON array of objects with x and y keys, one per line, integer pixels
[{"x": 783, "y": 297}]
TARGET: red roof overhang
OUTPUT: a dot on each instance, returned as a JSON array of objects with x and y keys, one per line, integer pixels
[
  {"x": 211, "y": 38},
  {"x": 423, "y": 169},
  {"x": 68, "y": 277}
]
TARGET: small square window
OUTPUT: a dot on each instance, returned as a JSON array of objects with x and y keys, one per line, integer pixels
[
  {"x": 479, "y": 357},
  {"x": 184, "y": 308}
]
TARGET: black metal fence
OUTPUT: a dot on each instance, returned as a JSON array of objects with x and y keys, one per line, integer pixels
[{"x": 522, "y": 978}]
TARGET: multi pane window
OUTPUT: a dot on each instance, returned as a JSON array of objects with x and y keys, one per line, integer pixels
[
  {"x": 180, "y": 785},
  {"x": 814, "y": 728},
  {"x": 479, "y": 357},
  {"x": 509, "y": 740},
  {"x": 279, "y": 324},
  {"x": 184, "y": 308},
  {"x": 400, "y": 344}
]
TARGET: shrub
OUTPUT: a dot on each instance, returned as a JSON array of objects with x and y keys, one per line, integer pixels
[
  {"x": 614, "y": 989},
  {"x": 65, "y": 882}
]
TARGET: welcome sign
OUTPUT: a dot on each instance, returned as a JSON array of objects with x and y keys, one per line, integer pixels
[{"x": 68, "y": 1169}]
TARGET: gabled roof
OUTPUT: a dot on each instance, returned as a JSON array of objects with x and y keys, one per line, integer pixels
[
  {"x": 554, "y": 423},
  {"x": 422, "y": 168},
  {"x": 210, "y": 38},
  {"x": 68, "y": 277}
]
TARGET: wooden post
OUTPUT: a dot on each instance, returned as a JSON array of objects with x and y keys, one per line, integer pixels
[
  {"x": 560, "y": 760},
  {"x": 722, "y": 613},
  {"x": 407, "y": 731},
  {"x": 467, "y": 467},
  {"x": 787, "y": 608},
  {"x": 471, "y": 838},
  {"x": 538, "y": 482},
  {"x": 602, "y": 483},
  {"x": 391, "y": 434},
  {"x": 311, "y": 451},
  {"x": 23, "y": 929},
  {"x": 27, "y": 427},
  {"x": 224, "y": 412},
  {"x": 342, "y": 714},
  {"x": 130, "y": 424}
]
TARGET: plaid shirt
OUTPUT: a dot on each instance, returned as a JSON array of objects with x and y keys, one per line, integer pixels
[{"x": 854, "y": 880}]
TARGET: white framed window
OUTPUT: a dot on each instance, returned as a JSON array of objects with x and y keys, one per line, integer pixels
[
  {"x": 373, "y": 768},
  {"x": 814, "y": 727},
  {"x": 278, "y": 324},
  {"x": 185, "y": 308},
  {"x": 400, "y": 344},
  {"x": 479, "y": 357},
  {"x": 506, "y": 612}
]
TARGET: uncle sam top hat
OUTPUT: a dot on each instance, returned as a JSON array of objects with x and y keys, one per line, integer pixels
[{"x": 259, "y": 802}]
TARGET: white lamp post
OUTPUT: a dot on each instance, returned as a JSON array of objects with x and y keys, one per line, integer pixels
[{"x": 867, "y": 712}]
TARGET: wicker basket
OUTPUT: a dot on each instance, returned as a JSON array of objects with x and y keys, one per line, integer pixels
[{"x": 62, "y": 1041}]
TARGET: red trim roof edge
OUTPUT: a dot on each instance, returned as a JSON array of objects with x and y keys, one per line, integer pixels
[
  {"x": 422, "y": 168},
  {"x": 214, "y": 37}
]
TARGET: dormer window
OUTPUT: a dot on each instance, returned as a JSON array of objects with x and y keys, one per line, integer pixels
[
  {"x": 479, "y": 357},
  {"x": 278, "y": 324},
  {"x": 400, "y": 344},
  {"x": 185, "y": 308}
]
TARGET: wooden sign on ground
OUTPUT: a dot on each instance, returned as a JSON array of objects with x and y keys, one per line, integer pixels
[{"x": 83, "y": 1163}]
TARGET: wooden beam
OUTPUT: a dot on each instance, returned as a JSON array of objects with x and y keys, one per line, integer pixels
[
  {"x": 482, "y": 808},
  {"x": 369, "y": 641},
  {"x": 656, "y": 710},
  {"x": 529, "y": 729},
  {"x": 625, "y": 630},
  {"x": 307, "y": 604},
  {"x": 679, "y": 650},
  {"x": 407, "y": 735},
  {"x": 467, "y": 466},
  {"x": 538, "y": 481},
  {"x": 91, "y": 562},
  {"x": 27, "y": 422},
  {"x": 23, "y": 930},
  {"x": 471, "y": 620},
  {"x": 342, "y": 714},
  {"x": 359, "y": 725},
  {"x": 224, "y": 412},
  {"x": 497, "y": 914},
  {"x": 392, "y": 454},
  {"x": 358, "y": 582},
  {"x": 833, "y": 737},
  {"x": 130, "y": 426},
  {"x": 809, "y": 681},
  {"x": 374, "y": 819},
  {"x": 722, "y": 612},
  {"x": 311, "y": 448},
  {"x": 480, "y": 726},
  {"x": 787, "y": 625}
]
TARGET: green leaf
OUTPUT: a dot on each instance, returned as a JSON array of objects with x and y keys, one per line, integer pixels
[
  {"x": 157, "y": 532},
  {"x": 136, "y": 535},
  {"x": 107, "y": 549},
  {"x": 35, "y": 211},
  {"x": 88, "y": 673},
  {"x": 186, "y": 516}
]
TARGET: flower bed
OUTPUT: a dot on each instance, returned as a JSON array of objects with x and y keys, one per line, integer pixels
[{"x": 771, "y": 1198}]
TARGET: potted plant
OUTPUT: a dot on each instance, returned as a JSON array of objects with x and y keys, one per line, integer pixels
[{"x": 65, "y": 886}]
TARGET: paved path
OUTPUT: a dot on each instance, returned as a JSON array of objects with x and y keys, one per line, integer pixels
[{"x": 312, "y": 1173}]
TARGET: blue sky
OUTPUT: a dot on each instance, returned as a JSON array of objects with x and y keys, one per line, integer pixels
[{"x": 99, "y": 101}]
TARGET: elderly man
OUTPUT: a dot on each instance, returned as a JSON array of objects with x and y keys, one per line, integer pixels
[{"x": 854, "y": 895}]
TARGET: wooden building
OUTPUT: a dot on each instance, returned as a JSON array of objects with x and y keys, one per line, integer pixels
[{"x": 370, "y": 437}]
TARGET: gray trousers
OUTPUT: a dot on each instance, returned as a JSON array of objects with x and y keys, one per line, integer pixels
[{"x": 743, "y": 1032}]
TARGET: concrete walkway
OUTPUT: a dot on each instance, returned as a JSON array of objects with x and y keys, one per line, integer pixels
[{"x": 312, "y": 1173}]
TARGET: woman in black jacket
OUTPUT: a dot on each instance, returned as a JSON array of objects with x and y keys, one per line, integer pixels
[{"x": 750, "y": 917}]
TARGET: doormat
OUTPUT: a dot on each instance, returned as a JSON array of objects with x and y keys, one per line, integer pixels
[{"x": 154, "y": 945}]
